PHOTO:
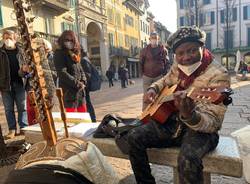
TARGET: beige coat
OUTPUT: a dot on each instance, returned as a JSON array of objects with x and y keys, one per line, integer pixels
[{"x": 211, "y": 115}]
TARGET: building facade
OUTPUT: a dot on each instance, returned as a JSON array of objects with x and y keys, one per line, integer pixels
[
  {"x": 162, "y": 31},
  {"x": 144, "y": 22},
  {"x": 124, "y": 34},
  {"x": 46, "y": 13},
  {"x": 92, "y": 29},
  {"x": 211, "y": 16}
]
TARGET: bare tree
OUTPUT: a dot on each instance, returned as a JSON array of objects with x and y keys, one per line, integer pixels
[{"x": 193, "y": 10}]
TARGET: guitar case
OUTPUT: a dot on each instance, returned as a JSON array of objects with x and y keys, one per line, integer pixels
[{"x": 114, "y": 126}]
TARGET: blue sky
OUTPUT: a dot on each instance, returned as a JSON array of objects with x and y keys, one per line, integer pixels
[{"x": 165, "y": 12}]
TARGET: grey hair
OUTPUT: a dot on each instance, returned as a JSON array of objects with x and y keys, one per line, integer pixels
[{"x": 8, "y": 32}]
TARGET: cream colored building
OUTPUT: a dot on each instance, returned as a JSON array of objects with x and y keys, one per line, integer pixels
[
  {"x": 49, "y": 17},
  {"x": 93, "y": 32}
]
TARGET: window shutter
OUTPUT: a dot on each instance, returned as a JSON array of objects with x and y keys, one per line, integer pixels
[
  {"x": 181, "y": 4},
  {"x": 212, "y": 17},
  {"x": 234, "y": 14},
  {"x": 181, "y": 21},
  {"x": 245, "y": 12},
  {"x": 222, "y": 16},
  {"x": 1, "y": 18},
  {"x": 201, "y": 19}
]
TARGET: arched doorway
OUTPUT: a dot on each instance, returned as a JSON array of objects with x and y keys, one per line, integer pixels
[
  {"x": 93, "y": 44},
  {"x": 231, "y": 61}
]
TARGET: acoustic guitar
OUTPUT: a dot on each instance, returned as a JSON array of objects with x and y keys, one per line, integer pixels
[{"x": 163, "y": 106}]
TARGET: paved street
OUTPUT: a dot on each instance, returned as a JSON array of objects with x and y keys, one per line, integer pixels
[{"x": 127, "y": 103}]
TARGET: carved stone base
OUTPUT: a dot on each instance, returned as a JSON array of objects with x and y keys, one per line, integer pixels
[{"x": 64, "y": 149}]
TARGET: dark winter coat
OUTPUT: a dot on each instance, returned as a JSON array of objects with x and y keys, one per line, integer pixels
[{"x": 70, "y": 75}]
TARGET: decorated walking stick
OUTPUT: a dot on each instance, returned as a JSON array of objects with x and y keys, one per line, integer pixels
[{"x": 59, "y": 94}]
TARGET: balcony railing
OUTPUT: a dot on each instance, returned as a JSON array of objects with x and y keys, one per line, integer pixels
[
  {"x": 93, "y": 6},
  {"x": 118, "y": 51},
  {"x": 60, "y": 6}
]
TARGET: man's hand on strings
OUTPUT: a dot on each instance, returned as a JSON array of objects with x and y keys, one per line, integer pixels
[
  {"x": 149, "y": 96},
  {"x": 184, "y": 104}
]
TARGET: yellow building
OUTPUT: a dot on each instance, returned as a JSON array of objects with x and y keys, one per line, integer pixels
[{"x": 124, "y": 34}]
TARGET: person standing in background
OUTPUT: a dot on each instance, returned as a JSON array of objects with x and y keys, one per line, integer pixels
[
  {"x": 154, "y": 63},
  {"x": 72, "y": 79},
  {"x": 86, "y": 65},
  {"x": 11, "y": 84},
  {"x": 110, "y": 75}
]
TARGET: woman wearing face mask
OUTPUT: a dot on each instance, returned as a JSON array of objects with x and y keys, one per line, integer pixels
[{"x": 70, "y": 73}]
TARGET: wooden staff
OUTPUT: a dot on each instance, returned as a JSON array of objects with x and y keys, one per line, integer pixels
[{"x": 59, "y": 94}]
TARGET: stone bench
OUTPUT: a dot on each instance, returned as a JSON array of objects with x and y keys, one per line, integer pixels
[{"x": 225, "y": 160}]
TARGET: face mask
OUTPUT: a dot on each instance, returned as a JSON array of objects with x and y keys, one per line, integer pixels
[
  {"x": 69, "y": 45},
  {"x": 154, "y": 42},
  {"x": 189, "y": 69},
  {"x": 10, "y": 44}
]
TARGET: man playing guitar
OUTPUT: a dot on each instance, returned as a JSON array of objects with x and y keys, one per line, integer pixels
[{"x": 195, "y": 124}]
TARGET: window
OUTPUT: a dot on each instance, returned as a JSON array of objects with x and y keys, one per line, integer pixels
[
  {"x": 234, "y": 10},
  {"x": 49, "y": 25},
  {"x": 120, "y": 40},
  {"x": 111, "y": 39},
  {"x": 222, "y": 16},
  {"x": 232, "y": 15},
  {"x": 192, "y": 3},
  {"x": 1, "y": 18},
  {"x": 201, "y": 19},
  {"x": 118, "y": 20},
  {"x": 182, "y": 4},
  {"x": 141, "y": 25},
  {"x": 230, "y": 39},
  {"x": 129, "y": 20},
  {"x": 72, "y": 3},
  {"x": 126, "y": 41},
  {"x": 181, "y": 21},
  {"x": 192, "y": 20},
  {"x": 209, "y": 41},
  {"x": 67, "y": 26},
  {"x": 110, "y": 16},
  {"x": 248, "y": 36},
  {"x": 206, "y": 2},
  {"x": 246, "y": 12},
  {"x": 208, "y": 18}
]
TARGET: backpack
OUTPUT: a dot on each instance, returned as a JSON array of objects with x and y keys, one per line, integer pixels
[{"x": 95, "y": 80}]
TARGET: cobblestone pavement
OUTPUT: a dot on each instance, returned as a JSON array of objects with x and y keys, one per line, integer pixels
[{"x": 127, "y": 103}]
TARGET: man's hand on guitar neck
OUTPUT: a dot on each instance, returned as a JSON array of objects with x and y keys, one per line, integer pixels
[
  {"x": 184, "y": 104},
  {"x": 149, "y": 97}
]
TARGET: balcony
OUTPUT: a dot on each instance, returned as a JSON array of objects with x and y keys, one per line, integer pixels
[
  {"x": 59, "y": 6},
  {"x": 91, "y": 4},
  {"x": 115, "y": 51}
]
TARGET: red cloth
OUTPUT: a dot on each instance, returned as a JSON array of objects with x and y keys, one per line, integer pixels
[
  {"x": 30, "y": 112},
  {"x": 82, "y": 108},
  {"x": 186, "y": 81}
]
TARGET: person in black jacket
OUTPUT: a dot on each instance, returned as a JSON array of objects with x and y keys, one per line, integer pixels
[
  {"x": 86, "y": 65},
  {"x": 110, "y": 76},
  {"x": 11, "y": 83},
  {"x": 72, "y": 79}
]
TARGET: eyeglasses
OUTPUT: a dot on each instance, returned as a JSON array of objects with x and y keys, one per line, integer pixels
[{"x": 189, "y": 52}]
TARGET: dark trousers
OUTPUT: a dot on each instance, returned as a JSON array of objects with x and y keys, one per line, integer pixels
[
  {"x": 90, "y": 107},
  {"x": 111, "y": 82},
  {"x": 15, "y": 96},
  {"x": 123, "y": 83},
  {"x": 193, "y": 146}
]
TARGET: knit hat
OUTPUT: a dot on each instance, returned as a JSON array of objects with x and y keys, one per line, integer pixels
[{"x": 186, "y": 34}]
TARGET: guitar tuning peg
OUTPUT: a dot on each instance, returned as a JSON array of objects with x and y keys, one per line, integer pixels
[{"x": 30, "y": 19}]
